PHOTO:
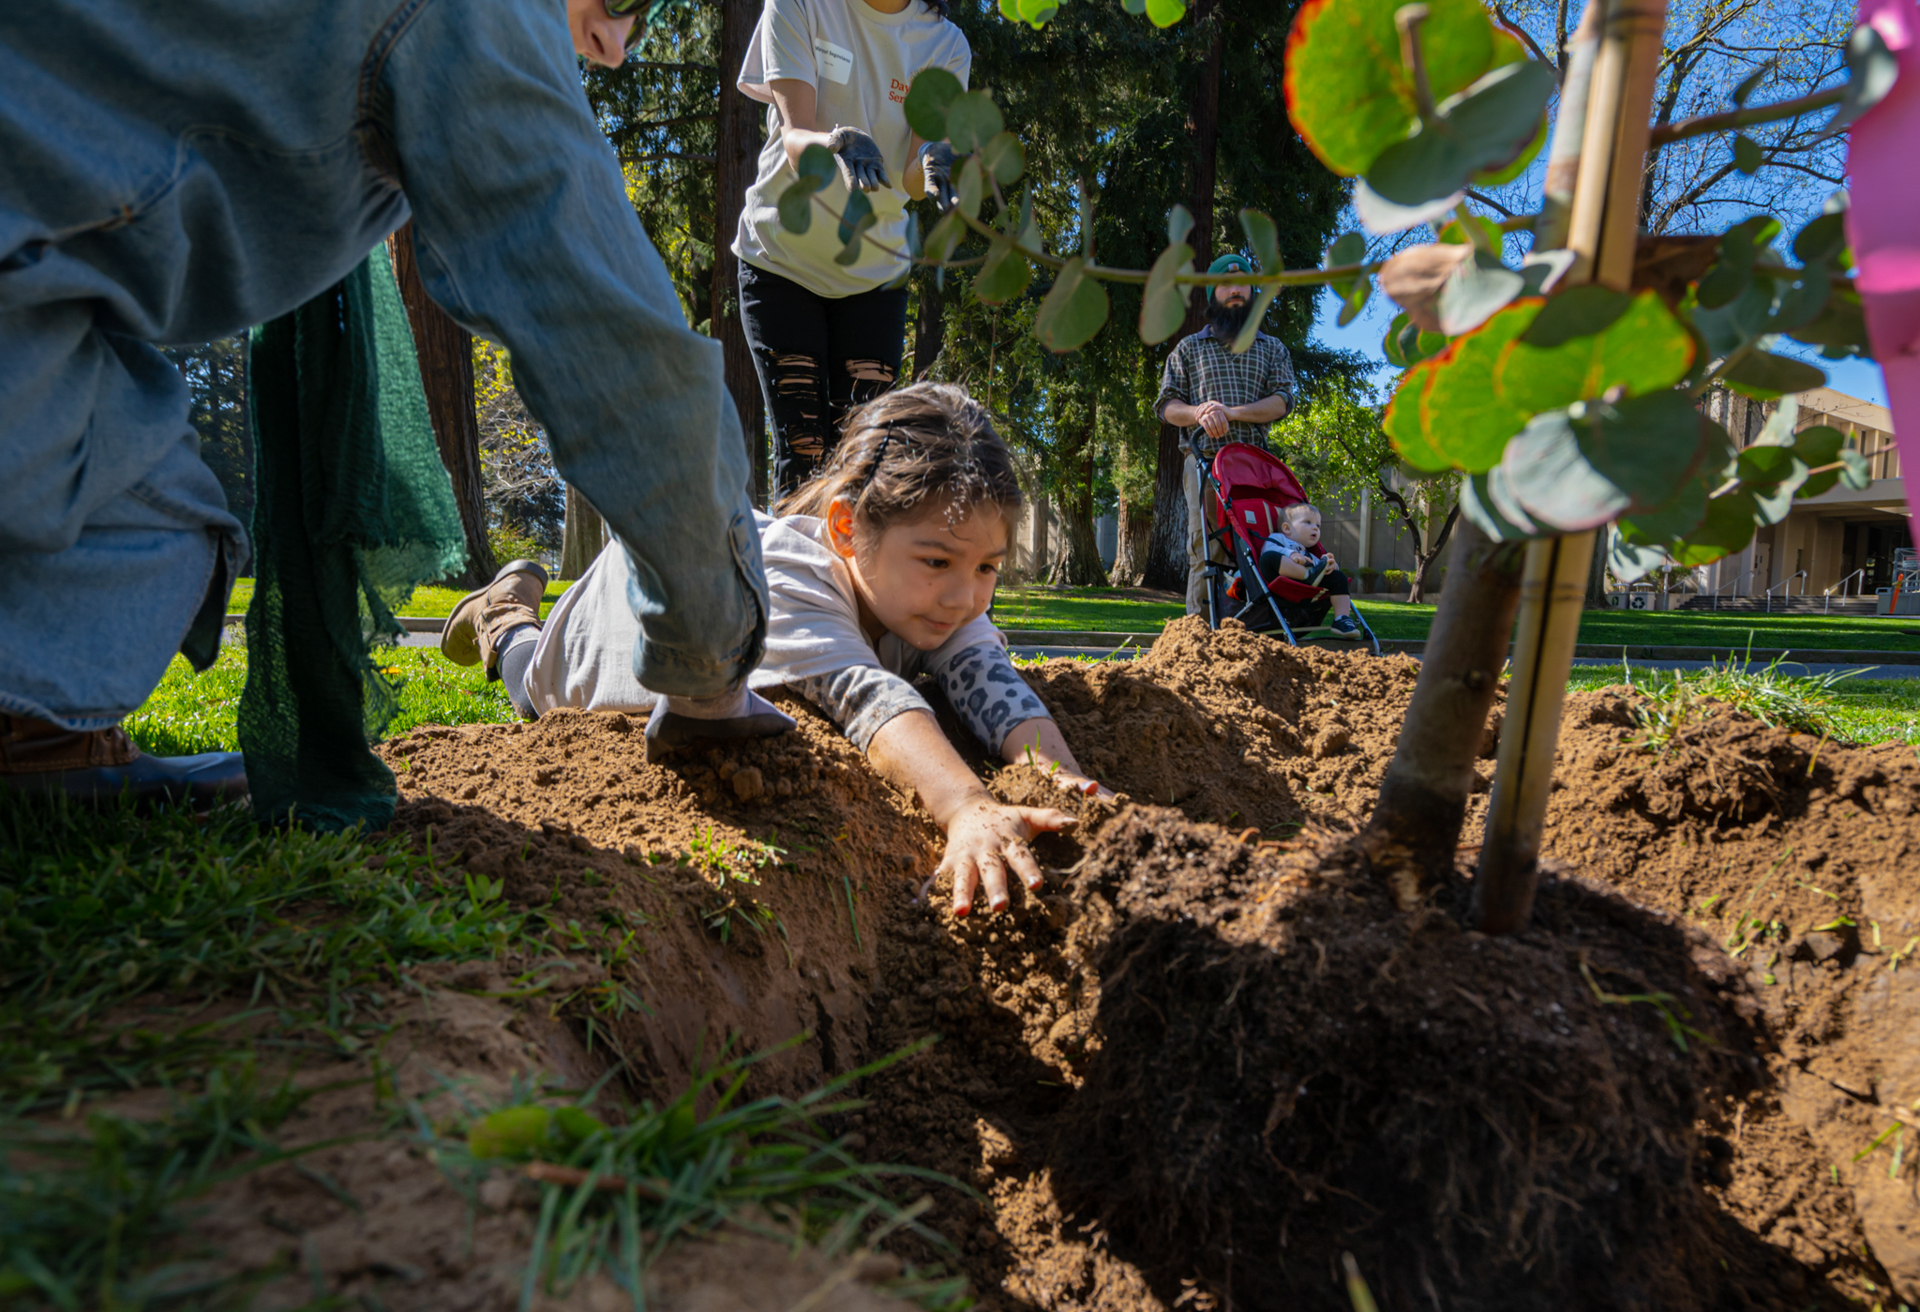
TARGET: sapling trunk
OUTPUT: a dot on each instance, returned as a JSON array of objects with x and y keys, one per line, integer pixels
[{"x": 1415, "y": 828}]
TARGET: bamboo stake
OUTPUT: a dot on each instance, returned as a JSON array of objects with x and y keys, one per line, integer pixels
[{"x": 1601, "y": 232}]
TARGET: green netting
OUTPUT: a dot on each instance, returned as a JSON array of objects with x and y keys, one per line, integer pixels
[{"x": 353, "y": 511}]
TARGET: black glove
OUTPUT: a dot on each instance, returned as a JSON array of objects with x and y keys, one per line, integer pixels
[
  {"x": 936, "y": 166},
  {"x": 858, "y": 156}
]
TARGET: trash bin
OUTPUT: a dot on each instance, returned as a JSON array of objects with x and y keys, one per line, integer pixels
[{"x": 1883, "y": 601}]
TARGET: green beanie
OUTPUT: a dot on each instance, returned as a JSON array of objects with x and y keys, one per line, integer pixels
[{"x": 1230, "y": 263}]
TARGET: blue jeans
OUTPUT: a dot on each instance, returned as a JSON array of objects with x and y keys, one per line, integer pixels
[{"x": 178, "y": 172}]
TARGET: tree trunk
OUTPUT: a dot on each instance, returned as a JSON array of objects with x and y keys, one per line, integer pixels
[
  {"x": 1423, "y": 560},
  {"x": 736, "y": 145},
  {"x": 1415, "y": 828},
  {"x": 445, "y": 350},
  {"x": 1167, "y": 552},
  {"x": 1597, "y": 573},
  {"x": 583, "y": 538},
  {"x": 1079, "y": 564},
  {"x": 929, "y": 328},
  {"x": 1042, "y": 517},
  {"x": 1130, "y": 556}
]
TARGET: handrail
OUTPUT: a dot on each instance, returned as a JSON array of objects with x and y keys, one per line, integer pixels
[
  {"x": 1733, "y": 582},
  {"x": 1797, "y": 574},
  {"x": 1860, "y": 574}
]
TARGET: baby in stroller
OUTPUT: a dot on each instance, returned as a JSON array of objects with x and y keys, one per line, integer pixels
[{"x": 1294, "y": 552}]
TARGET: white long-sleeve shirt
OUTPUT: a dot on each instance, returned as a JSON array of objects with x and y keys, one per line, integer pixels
[{"x": 814, "y": 645}]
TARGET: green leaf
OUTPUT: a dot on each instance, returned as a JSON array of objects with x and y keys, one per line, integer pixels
[
  {"x": 1010, "y": 11},
  {"x": 1383, "y": 217},
  {"x": 1543, "y": 269},
  {"x": 1553, "y": 480},
  {"x": 1005, "y": 158},
  {"x": 1477, "y": 288},
  {"x": 1073, "y": 311},
  {"x": 1739, "y": 247},
  {"x": 1263, "y": 239},
  {"x": 1751, "y": 83},
  {"x": 1840, "y": 328},
  {"x": 1747, "y": 155},
  {"x": 1134, "y": 6},
  {"x": 796, "y": 206},
  {"x": 933, "y": 92},
  {"x": 1577, "y": 312},
  {"x": 1644, "y": 350},
  {"x": 1179, "y": 224},
  {"x": 1872, "y": 69},
  {"x": 857, "y": 217},
  {"x": 1477, "y": 504},
  {"x": 1348, "y": 94},
  {"x": 1630, "y": 561},
  {"x": 1256, "y": 316},
  {"x": 1036, "y": 13},
  {"x": 1347, "y": 248},
  {"x": 1727, "y": 528},
  {"x": 1858, "y": 470},
  {"x": 1402, "y": 421},
  {"x": 1004, "y": 276},
  {"x": 1645, "y": 446},
  {"x": 970, "y": 188},
  {"x": 1474, "y": 131},
  {"x": 1671, "y": 520},
  {"x": 817, "y": 163},
  {"x": 1765, "y": 376},
  {"x": 1354, "y": 301},
  {"x": 1817, "y": 447},
  {"x": 1401, "y": 328},
  {"x": 1799, "y": 302},
  {"x": 1822, "y": 240},
  {"x": 1740, "y": 322},
  {"x": 972, "y": 121},
  {"x": 945, "y": 236},
  {"x": 1163, "y": 306},
  {"x": 1462, "y": 418},
  {"x": 1165, "y": 13},
  {"x": 1518, "y": 164},
  {"x": 1479, "y": 232}
]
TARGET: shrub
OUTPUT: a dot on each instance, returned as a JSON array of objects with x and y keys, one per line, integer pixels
[
  {"x": 511, "y": 542},
  {"x": 1396, "y": 580},
  {"x": 1369, "y": 579}
]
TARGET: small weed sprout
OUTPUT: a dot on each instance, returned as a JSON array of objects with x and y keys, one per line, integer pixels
[{"x": 1676, "y": 1024}]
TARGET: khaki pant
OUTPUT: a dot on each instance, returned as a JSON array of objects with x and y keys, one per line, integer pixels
[{"x": 1198, "y": 548}]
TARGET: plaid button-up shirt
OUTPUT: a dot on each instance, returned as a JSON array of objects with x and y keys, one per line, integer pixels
[{"x": 1202, "y": 368}]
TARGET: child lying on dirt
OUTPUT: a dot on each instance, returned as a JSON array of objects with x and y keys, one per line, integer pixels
[
  {"x": 1291, "y": 553},
  {"x": 880, "y": 569}
]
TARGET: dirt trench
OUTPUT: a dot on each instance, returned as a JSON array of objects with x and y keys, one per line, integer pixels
[{"x": 1208, "y": 1061}]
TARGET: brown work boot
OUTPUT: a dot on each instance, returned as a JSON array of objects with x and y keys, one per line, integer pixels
[
  {"x": 486, "y": 615},
  {"x": 101, "y": 764}
]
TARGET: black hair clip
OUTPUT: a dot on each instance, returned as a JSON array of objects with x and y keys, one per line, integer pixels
[{"x": 879, "y": 457}]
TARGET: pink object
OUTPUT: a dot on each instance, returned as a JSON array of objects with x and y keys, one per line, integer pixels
[{"x": 1883, "y": 225}]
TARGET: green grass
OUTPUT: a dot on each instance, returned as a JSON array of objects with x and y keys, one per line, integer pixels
[
  {"x": 1856, "y": 710},
  {"x": 426, "y": 603},
  {"x": 1101, "y": 610},
  {"x": 105, "y": 905},
  {"x": 191, "y": 712},
  {"x": 1723, "y": 631}
]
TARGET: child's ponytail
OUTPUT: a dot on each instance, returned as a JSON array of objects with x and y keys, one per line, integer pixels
[{"x": 925, "y": 446}]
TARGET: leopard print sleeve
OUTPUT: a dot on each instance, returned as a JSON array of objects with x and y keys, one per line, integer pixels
[
  {"x": 988, "y": 694},
  {"x": 861, "y": 699}
]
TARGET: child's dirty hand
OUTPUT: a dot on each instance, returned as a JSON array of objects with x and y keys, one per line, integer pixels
[
  {"x": 986, "y": 840},
  {"x": 1079, "y": 783}
]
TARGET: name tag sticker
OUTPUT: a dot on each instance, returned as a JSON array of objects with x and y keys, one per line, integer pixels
[{"x": 835, "y": 62}]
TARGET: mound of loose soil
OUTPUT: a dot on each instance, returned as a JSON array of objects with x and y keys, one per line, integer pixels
[{"x": 1203, "y": 1063}]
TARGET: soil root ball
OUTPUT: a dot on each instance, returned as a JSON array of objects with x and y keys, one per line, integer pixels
[{"x": 1291, "y": 1069}]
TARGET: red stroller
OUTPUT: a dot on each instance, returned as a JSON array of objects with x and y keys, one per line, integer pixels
[{"x": 1244, "y": 490}]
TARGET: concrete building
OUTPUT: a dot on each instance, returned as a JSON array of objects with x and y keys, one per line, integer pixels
[{"x": 1842, "y": 540}]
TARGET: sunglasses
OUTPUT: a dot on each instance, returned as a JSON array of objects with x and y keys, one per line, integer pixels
[{"x": 631, "y": 8}]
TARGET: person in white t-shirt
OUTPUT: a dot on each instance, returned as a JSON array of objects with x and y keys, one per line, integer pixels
[
  {"x": 880, "y": 570},
  {"x": 827, "y": 336}
]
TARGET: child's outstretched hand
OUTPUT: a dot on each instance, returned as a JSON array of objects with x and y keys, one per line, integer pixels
[{"x": 986, "y": 840}]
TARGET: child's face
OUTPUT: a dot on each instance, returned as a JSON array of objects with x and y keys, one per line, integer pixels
[
  {"x": 922, "y": 580},
  {"x": 1303, "y": 526}
]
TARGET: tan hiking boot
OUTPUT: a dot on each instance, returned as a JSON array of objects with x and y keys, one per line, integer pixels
[
  {"x": 102, "y": 764},
  {"x": 486, "y": 615}
]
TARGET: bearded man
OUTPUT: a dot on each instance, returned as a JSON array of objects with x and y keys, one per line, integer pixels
[{"x": 1219, "y": 397}]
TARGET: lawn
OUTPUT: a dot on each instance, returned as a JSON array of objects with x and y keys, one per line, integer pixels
[{"x": 1140, "y": 610}]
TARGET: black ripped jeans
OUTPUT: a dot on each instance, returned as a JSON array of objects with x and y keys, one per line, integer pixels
[{"x": 817, "y": 357}]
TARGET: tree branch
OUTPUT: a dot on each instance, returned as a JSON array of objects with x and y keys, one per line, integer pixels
[
  {"x": 1740, "y": 118},
  {"x": 1526, "y": 38},
  {"x": 666, "y": 154}
]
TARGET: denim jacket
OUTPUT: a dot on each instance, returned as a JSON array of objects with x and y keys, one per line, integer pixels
[{"x": 178, "y": 171}]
